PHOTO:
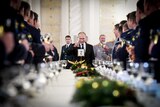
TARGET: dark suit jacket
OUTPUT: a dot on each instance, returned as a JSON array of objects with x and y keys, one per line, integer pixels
[{"x": 89, "y": 54}]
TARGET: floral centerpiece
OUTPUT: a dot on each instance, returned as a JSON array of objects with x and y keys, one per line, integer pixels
[
  {"x": 101, "y": 92},
  {"x": 80, "y": 68}
]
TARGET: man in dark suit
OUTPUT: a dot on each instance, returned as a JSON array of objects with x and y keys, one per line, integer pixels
[
  {"x": 88, "y": 49},
  {"x": 65, "y": 53}
]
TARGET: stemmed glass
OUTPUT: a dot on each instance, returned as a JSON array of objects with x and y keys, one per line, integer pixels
[
  {"x": 147, "y": 75},
  {"x": 42, "y": 75},
  {"x": 109, "y": 66},
  {"x": 64, "y": 63},
  {"x": 57, "y": 69},
  {"x": 95, "y": 63}
]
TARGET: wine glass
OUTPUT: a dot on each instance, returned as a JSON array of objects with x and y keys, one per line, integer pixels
[
  {"x": 130, "y": 68},
  {"x": 57, "y": 69},
  {"x": 95, "y": 63},
  {"x": 146, "y": 75},
  {"x": 135, "y": 75},
  {"x": 64, "y": 63}
]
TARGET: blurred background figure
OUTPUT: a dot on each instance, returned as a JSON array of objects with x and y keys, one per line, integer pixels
[
  {"x": 125, "y": 27},
  {"x": 7, "y": 45},
  {"x": 36, "y": 22},
  {"x": 148, "y": 27},
  {"x": 31, "y": 18},
  {"x": 117, "y": 34},
  {"x": 102, "y": 50},
  {"x": 53, "y": 52}
]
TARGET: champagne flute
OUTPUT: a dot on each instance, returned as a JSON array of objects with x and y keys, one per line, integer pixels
[
  {"x": 64, "y": 63},
  {"x": 147, "y": 75},
  {"x": 95, "y": 63}
]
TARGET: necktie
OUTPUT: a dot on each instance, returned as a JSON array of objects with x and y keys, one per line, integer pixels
[
  {"x": 118, "y": 39},
  {"x": 67, "y": 46},
  {"x": 82, "y": 47}
]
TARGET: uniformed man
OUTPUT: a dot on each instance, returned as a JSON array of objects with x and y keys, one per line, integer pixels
[
  {"x": 126, "y": 38},
  {"x": 135, "y": 33},
  {"x": 147, "y": 45},
  {"x": 38, "y": 48},
  {"x": 65, "y": 51},
  {"x": 117, "y": 34},
  {"x": 146, "y": 26},
  {"x": 11, "y": 13},
  {"x": 7, "y": 43},
  {"x": 102, "y": 50}
]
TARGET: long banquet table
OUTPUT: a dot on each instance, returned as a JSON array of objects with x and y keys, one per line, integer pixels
[{"x": 58, "y": 93}]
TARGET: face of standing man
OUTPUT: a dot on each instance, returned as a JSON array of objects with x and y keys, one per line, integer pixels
[
  {"x": 102, "y": 39},
  {"x": 68, "y": 40},
  {"x": 82, "y": 37}
]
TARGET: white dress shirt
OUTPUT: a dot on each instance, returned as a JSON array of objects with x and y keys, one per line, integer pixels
[{"x": 84, "y": 46}]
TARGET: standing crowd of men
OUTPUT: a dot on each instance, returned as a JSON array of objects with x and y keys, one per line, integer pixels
[
  {"x": 137, "y": 38},
  {"x": 20, "y": 35},
  {"x": 140, "y": 38}
]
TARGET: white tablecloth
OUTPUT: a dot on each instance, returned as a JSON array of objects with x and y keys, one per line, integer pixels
[{"x": 57, "y": 93}]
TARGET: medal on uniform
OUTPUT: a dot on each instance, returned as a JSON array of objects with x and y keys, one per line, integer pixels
[{"x": 155, "y": 39}]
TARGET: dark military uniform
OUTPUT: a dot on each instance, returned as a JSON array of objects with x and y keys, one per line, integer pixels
[
  {"x": 149, "y": 33},
  {"x": 36, "y": 45},
  {"x": 66, "y": 54},
  {"x": 29, "y": 59},
  {"x": 17, "y": 24},
  {"x": 128, "y": 38},
  {"x": 19, "y": 53},
  {"x": 2, "y": 55},
  {"x": 116, "y": 43},
  {"x": 34, "y": 32},
  {"x": 39, "y": 52},
  {"x": 155, "y": 39},
  {"x": 143, "y": 41},
  {"x": 13, "y": 23}
]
